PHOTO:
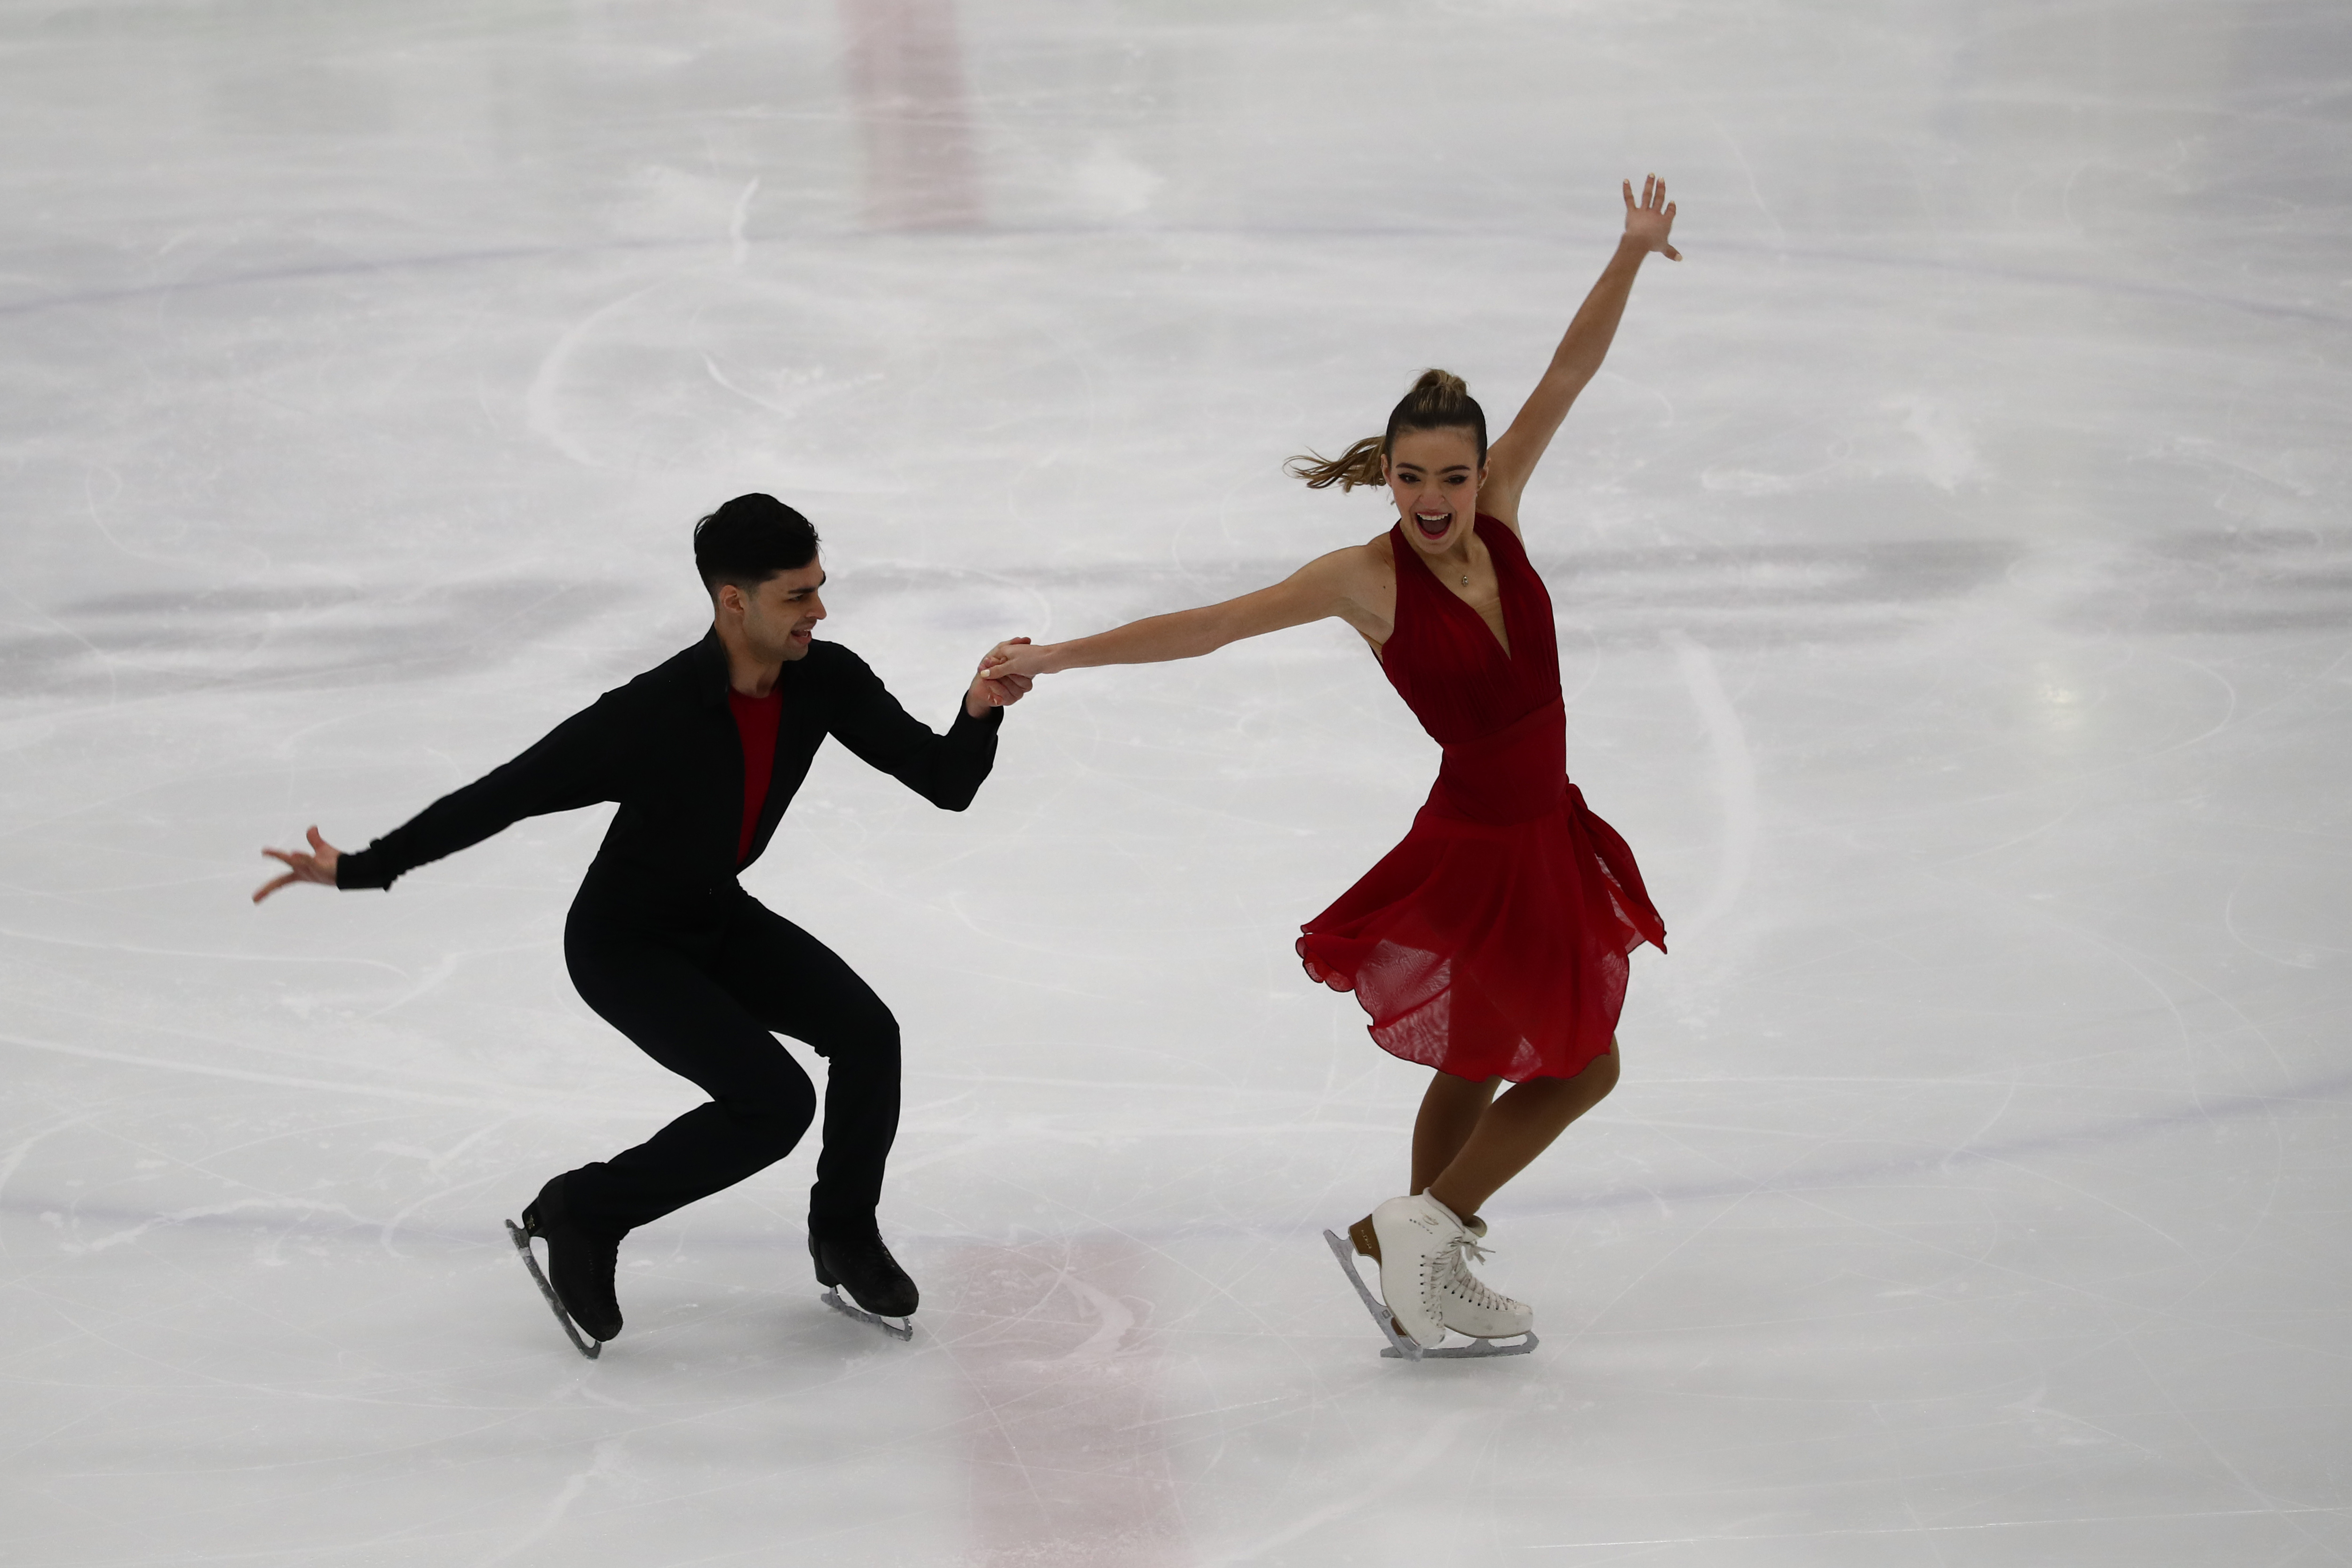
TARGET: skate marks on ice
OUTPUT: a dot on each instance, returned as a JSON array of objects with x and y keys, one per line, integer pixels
[
  {"x": 1066, "y": 1443},
  {"x": 144, "y": 644},
  {"x": 914, "y": 115},
  {"x": 1735, "y": 783},
  {"x": 1401, "y": 1348},
  {"x": 580, "y": 1341},
  {"x": 898, "y": 1327}
]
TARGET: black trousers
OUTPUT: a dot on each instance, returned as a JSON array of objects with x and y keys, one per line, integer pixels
[{"x": 708, "y": 1002}]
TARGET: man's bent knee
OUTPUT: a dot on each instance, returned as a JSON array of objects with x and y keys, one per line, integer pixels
[
  {"x": 866, "y": 1043},
  {"x": 777, "y": 1111}
]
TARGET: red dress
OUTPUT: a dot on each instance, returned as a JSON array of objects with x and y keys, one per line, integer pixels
[{"x": 1493, "y": 941}]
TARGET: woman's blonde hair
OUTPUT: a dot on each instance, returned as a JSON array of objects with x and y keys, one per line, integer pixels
[{"x": 1439, "y": 401}]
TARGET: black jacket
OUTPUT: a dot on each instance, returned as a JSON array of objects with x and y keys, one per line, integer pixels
[{"x": 666, "y": 747}]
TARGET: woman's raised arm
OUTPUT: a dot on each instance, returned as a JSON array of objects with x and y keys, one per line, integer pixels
[
  {"x": 1342, "y": 584},
  {"x": 1512, "y": 459}
]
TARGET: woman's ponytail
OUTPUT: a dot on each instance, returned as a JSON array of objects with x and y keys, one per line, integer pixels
[
  {"x": 1438, "y": 400},
  {"x": 1359, "y": 464}
]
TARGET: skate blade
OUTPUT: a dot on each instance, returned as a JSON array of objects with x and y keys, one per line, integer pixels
[
  {"x": 580, "y": 1341},
  {"x": 1401, "y": 1348},
  {"x": 1479, "y": 1349},
  {"x": 902, "y": 1329}
]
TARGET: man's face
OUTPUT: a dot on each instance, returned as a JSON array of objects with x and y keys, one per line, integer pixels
[{"x": 780, "y": 616}]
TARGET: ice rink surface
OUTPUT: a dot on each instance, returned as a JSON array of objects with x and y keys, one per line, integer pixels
[{"x": 1955, "y": 590}]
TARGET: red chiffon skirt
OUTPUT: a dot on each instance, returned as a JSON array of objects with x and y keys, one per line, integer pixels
[{"x": 1493, "y": 942}]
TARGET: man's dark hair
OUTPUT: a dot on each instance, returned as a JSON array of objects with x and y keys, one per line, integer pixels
[{"x": 749, "y": 540}]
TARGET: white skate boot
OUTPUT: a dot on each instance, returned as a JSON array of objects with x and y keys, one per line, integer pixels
[
  {"x": 1418, "y": 1237},
  {"x": 1468, "y": 1305},
  {"x": 1363, "y": 1241}
]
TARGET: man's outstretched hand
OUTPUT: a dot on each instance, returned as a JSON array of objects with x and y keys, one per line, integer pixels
[
  {"x": 993, "y": 690},
  {"x": 318, "y": 865}
]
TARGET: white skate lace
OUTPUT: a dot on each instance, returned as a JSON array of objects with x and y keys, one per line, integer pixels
[{"x": 1461, "y": 1252}]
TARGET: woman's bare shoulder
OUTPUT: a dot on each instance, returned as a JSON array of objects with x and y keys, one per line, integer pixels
[
  {"x": 1371, "y": 572},
  {"x": 1354, "y": 567},
  {"x": 1363, "y": 578},
  {"x": 1356, "y": 583},
  {"x": 1371, "y": 562}
]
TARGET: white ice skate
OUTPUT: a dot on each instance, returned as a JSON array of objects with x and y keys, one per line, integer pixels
[{"x": 1453, "y": 1300}]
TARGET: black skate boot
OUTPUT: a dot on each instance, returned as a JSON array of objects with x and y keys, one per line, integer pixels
[
  {"x": 851, "y": 1254},
  {"x": 580, "y": 1262}
]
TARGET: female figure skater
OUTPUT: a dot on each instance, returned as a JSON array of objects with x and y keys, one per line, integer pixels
[{"x": 1491, "y": 943}]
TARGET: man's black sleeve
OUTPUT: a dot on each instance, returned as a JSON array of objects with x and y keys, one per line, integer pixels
[
  {"x": 573, "y": 765},
  {"x": 945, "y": 770}
]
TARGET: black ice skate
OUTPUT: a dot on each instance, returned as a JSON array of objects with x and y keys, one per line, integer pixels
[
  {"x": 1401, "y": 1345},
  {"x": 852, "y": 1255},
  {"x": 581, "y": 1261}
]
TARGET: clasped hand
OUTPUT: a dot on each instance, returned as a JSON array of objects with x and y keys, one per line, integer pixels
[
  {"x": 1017, "y": 659},
  {"x": 994, "y": 687}
]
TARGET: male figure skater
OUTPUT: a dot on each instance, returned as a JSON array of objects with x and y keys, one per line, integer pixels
[{"x": 703, "y": 753}]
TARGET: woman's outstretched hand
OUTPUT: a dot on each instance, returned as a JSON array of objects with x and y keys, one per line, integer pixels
[
  {"x": 318, "y": 865},
  {"x": 1652, "y": 219},
  {"x": 1018, "y": 658}
]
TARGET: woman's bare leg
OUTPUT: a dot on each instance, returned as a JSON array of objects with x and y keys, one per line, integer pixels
[
  {"x": 1510, "y": 1134},
  {"x": 1450, "y": 1109}
]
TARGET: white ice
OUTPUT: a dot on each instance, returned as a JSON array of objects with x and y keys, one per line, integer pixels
[{"x": 1955, "y": 592}]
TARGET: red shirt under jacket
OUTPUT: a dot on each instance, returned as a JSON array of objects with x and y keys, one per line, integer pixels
[{"x": 755, "y": 721}]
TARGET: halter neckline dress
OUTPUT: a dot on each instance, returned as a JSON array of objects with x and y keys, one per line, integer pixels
[{"x": 1493, "y": 941}]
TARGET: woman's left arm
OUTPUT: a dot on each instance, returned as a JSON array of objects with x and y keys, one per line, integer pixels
[{"x": 1510, "y": 460}]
